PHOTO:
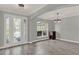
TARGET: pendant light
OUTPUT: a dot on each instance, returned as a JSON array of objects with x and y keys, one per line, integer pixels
[{"x": 57, "y": 19}]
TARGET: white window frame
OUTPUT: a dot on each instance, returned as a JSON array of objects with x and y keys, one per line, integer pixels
[{"x": 43, "y": 30}]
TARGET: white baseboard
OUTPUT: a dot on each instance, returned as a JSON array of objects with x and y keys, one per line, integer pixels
[
  {"x": 38, "y": 40},
  {"x": 69, "y": 41},
  {"x": 14, "y": 45}
]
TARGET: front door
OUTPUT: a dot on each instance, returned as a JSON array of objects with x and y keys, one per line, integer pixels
[{"x": 15, "y": 29}]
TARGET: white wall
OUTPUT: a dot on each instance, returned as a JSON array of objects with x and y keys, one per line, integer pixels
[
  {"x": 68, "y": 29},
  {"x": 1, "y": 29}
]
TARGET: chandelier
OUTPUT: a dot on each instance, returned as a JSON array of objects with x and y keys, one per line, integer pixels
[{"x": 57, "y": 19}]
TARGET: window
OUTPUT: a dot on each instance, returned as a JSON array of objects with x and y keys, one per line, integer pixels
[{"x": 42, "y": 29}]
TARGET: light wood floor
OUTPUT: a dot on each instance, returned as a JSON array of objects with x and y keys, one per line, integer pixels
[{"x": 48, "y": 47}]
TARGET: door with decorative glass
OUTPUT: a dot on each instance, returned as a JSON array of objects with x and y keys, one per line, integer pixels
[{"x": 15, "y": 28}]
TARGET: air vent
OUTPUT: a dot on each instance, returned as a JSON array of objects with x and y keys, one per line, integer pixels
[{"x": 21, "y": 5}]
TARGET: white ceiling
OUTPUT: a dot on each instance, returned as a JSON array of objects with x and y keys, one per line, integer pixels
[
  {"x": 27, "y": 10},
  {"x": 64, "y": 12}
]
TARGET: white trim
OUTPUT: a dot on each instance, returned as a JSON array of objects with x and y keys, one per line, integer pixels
[
  {"x": 12, "y": 45},
  {"x": 69, "y": 40},
  {"x": 38, "y": 40},
  {"x": 36, "y": 10},
  {"x": 22, "y": 43}
]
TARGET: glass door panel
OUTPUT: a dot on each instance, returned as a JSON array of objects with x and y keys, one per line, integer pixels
[
  {"x": 16, "y": 30},
  {"x": 7, "y": 30}
]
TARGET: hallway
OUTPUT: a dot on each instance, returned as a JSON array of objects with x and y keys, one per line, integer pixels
[{"x": 47, "y": 47}]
